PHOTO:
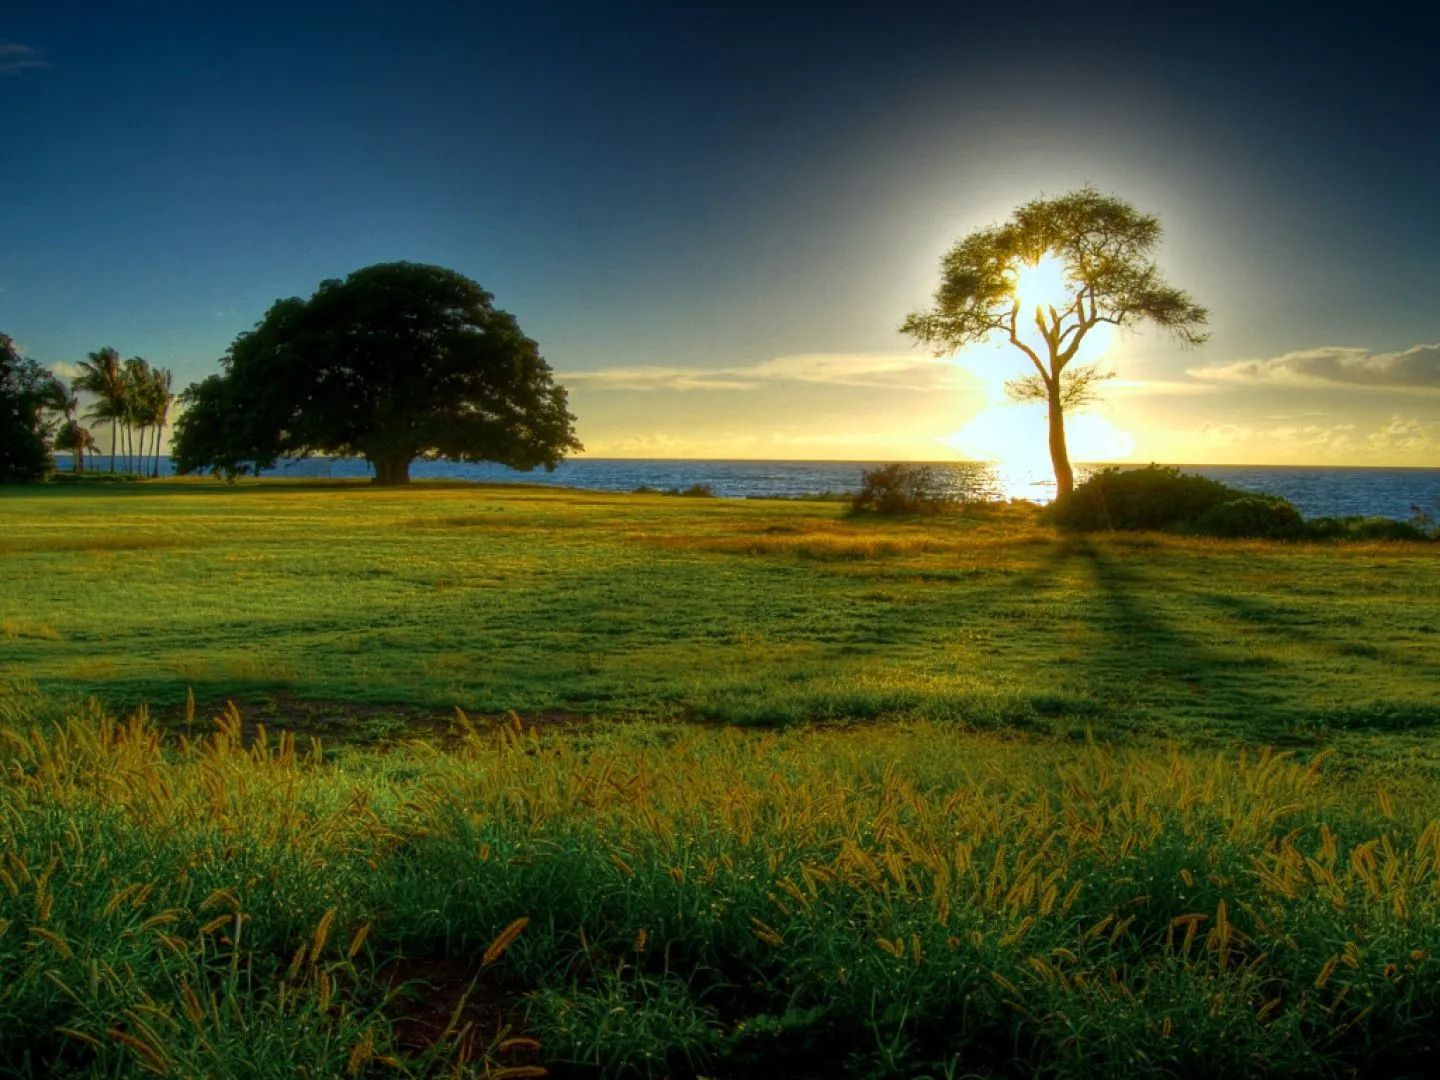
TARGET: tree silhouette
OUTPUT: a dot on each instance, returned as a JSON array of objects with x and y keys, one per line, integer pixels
[
  {"x": 399, "y": 361},
  {"x": 1100, "y": 247}
]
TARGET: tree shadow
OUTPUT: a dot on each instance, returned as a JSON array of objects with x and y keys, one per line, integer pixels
[
  {"x": 1171, "y": 673},
  {"x": 1276, "y": 619}
]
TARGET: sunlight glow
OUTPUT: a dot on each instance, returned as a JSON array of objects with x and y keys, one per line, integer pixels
[
  {"x": 1013, "y": 437},
  {"x": 1043, "y": 284}
]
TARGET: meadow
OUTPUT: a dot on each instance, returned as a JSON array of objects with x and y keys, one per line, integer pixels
[
  {"x": 314, "y": 603},
  {"x": 498, "y": 781}
]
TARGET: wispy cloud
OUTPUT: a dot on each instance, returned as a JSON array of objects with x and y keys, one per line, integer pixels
[
  {"x": 876, "y": 371},
  {"x": 1415, "y": 368},
  {"x": 17, "y": 58},
  {"x": 65, "y": 370},
  {"x": 1156, "y": 387},
  {"x": 1399, "y": 437}
]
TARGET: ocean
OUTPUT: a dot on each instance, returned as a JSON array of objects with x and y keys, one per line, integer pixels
[{"x": 1315, "y": 491}]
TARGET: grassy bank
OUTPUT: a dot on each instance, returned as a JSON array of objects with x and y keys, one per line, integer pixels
[
  {"x": 347, "y": 606},
  {"x": 661, "y": 900}
]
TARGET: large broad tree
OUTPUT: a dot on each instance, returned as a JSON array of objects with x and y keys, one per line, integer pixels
[
  {"x": 1042, "y": 281},
  {"x": 25, "y": 392},
  {"x": 397, "y": 362}
]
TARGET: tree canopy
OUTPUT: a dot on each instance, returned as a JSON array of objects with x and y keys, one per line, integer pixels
[
  {"x": 396, "y": 362},
  {"x": 1100, "y": 248},
  {"x": 26, "y": 391}
]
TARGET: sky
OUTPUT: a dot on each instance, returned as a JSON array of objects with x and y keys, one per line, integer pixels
[{"x": 713, "y": 216}]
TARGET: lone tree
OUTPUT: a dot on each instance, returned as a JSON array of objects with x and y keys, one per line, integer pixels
[
  {"x": 399, "y": 361},
  {"x": 1043, "y": 280}
]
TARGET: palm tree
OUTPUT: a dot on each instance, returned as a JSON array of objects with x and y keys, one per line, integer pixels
[
  {"x": 137, "y": 403},
  {"x": 63, "y": 401},
  {"x": 103, "y": 376},
  {"x": 162, "y": 395},
  {"x": 75, "y": 437}
]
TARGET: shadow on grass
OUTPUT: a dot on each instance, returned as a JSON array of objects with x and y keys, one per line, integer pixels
[{"x": 1171, "y": 667}]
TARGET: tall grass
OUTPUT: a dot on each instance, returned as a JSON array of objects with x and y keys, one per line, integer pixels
[{"x": 673, "y": 901}]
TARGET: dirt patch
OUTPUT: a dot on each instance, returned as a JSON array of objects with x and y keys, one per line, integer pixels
[{"x": 454, "y": 1008}]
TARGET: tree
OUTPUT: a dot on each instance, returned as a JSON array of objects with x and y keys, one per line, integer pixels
[
  {"x": 399, "y": 361},
  {"x": 1043, "y": 280},
  {"x": 74, "y": 436},
  {"x": 70, "y": 434},
  {"x": 161, "y": 398},
  {"x": 139, "y": 409},
  {"x": 25, "y": 389},
  {"x": 103, "y": 375}
]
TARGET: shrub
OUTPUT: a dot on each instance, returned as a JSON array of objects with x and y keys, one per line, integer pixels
[
  {"x": 898, "y": 489},
  {"x": 1164, "y": 499},
  {"x": 1364, "y": 528},
  {"x": 1250, "y": 515},
  {"x": 694, "y": 491},
  {"x": 1155, "y": 497}
]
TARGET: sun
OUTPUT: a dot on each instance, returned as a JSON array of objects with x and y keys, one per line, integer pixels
[
  {"x": 1044, "y": 283},
  {"x": 1011, "y": 437}
]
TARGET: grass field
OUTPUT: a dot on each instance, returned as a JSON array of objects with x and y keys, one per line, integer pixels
[
  {"x": 993, "y": 801},
  {"x": 645, "y": 606}
]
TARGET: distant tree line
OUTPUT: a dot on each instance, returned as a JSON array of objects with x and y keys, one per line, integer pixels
[{"x": 40, "y": 413}]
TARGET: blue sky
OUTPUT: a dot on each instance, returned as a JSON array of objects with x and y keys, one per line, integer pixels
[{"x": 713, "y": 216}]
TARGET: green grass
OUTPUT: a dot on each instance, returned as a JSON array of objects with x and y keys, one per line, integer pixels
[
  {"x": 495, "y": 598},
  {"x": 887, "y": 901},
  {"x": 998, "y": 805}
]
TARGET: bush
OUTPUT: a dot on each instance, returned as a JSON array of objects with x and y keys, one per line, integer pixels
[
  {"x": 1250, "y": 515},
  {"x": 1155, "y": 498},
  {"x": 1364, "y": 528},
  {"x": 694, "y": 491},
  {"x": 1163, "y": 499},
  {"x": 898, "y": 489}
]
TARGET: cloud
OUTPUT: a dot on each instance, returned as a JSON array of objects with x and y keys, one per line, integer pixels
[
  {"x": 1415, "y": 368},
  {"x": 1401, "y": 437},
  {"x": 65, "y": 370},
  {"x": 1153, "y": 387},
  {"x": 659, "y": 378},
  {"x": 877, "y": 371},
  {"x": 1407, "y": 433},
  {"x": 17, "y": 58}
]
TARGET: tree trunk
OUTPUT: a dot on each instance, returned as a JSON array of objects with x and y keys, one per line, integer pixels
[
  {"x": 391, "y": 470},
  {"x": 114, "y": 434},
  {"x": 1059, "y": 455}
]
